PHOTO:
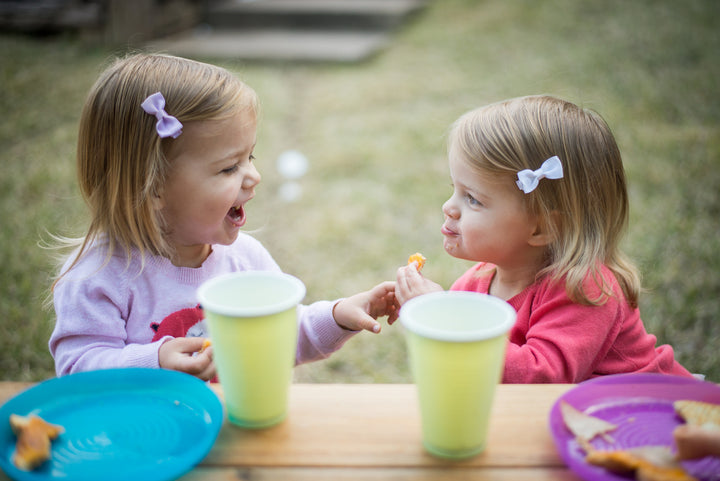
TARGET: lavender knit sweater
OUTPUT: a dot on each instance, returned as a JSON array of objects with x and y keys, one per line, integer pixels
[{"x": 106, "y": 314}]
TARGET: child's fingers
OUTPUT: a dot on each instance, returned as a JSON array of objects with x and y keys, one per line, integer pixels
[
  {"x": 206, "y": 351},
  {"x": 189, "y": 345},
  {"x": 205, "y": 371},
  {"x": 201, "y": 366},
  {"x": 406, "y": 279},
  {"x": 208, "y": 373},
  {"x": 695, "y": 442},
  {"x": 382, "y": 289},
  {"x": 367, "y": 323},
  {"x": 401, "y": 278},
  {"x": 408, "y": 272},
  {"x": 393, "y": 313}
]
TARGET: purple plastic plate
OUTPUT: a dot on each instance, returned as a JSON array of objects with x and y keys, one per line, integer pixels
[{"x": 641, "y": 405}]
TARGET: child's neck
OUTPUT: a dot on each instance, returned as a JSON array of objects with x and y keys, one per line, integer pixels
[
  {"x": 192, "y": 256},
  {"x": 508, "y": 284}
]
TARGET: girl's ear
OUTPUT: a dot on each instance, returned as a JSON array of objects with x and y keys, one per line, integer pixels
[{"x": 544, "y": 233}]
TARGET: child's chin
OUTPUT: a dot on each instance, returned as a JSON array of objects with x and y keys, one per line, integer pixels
[{"x": 451, "y": 247}]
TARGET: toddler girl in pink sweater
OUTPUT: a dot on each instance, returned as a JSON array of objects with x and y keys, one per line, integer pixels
[{"x": 540, "y": 202}]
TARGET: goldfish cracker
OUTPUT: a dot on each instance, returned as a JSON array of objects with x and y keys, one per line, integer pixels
[
  {"x": 33, "y": 440},
  {"x": 419, "y": 258},
  {"x": 206, "y": 343}
]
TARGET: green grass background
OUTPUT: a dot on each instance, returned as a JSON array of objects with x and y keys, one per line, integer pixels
[{"x": 374, "y": 133}]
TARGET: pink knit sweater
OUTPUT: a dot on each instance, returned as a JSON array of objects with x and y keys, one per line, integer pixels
[{"x": 555, "y": 340}]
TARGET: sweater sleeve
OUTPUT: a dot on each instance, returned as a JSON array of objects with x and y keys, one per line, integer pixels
[
  {"x": 90, "y": 331},
  {"x": 318, "y": 333}
]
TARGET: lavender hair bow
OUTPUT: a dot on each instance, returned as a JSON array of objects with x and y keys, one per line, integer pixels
[
  {"x": 167, "y": 125},
  {"x": 528, "y": 179}
]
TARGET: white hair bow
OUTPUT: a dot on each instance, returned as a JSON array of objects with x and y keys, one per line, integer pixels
[
  {"x": 167, "y": 125},
  {"x": 528, "y": 179}
]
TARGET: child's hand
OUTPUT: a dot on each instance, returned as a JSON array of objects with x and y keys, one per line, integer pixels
[
  {"x": 178, "y": 354},
  {"x": 411, "y": 283},
  {"x": 695, "y": 442},
  {"x": 361, "y": 310}
]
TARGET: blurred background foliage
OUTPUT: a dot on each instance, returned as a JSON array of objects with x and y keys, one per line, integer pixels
[{"x": 374, "y": 134}]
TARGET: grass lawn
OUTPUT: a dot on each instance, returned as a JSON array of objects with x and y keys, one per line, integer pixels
[{"x": 374, "y": 134}]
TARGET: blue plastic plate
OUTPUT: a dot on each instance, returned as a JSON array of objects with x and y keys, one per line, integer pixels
[{"x": 120, "y": 424}]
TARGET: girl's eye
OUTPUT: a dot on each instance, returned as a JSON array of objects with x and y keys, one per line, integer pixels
[
  {"x": 472, "y": 200},
  {"x": 230, "y": 170},
  {"x": 252, "y": 157}
]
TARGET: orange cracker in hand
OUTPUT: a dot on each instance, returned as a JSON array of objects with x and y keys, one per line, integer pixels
[
  {"x": 206, "y": 343},
  {"x": 419, "y": 258}
]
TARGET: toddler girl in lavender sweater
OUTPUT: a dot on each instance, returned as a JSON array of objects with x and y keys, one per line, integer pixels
[{"x": 164, "y": 160}]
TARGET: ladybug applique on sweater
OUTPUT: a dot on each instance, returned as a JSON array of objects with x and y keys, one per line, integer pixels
[{"x": 189, "y": 322}]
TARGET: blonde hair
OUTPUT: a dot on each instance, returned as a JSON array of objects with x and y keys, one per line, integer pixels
[
  {"x": 586, "y": 211},
  {"x": 122, "y": 162}
]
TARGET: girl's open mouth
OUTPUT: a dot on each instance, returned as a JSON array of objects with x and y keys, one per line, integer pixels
[{"x": 236, "y": 215}]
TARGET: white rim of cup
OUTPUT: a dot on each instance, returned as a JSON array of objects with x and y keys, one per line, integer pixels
[
  {"x": 205, "y": 302},
  {"x": 417, "y": 303}
]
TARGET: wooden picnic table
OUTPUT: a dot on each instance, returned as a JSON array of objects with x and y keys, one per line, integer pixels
[{"x": 372, "y": 432}]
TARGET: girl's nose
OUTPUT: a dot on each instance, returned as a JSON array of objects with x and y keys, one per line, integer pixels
[
  {"x": 251, "y": 178},
  {"x": 450, "y": 210}
]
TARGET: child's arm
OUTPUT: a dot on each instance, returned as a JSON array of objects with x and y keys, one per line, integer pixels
[
  {"x": 360, "y": 311},
  {"x": 411, "y": 283},
  {"x": 90, "y": 333},
  {"x": 320, "y": 332}
]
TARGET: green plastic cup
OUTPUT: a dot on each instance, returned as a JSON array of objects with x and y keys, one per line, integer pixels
[
  {"x": 456, "y": 348},
  {"x": 252, "y": 320}
]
